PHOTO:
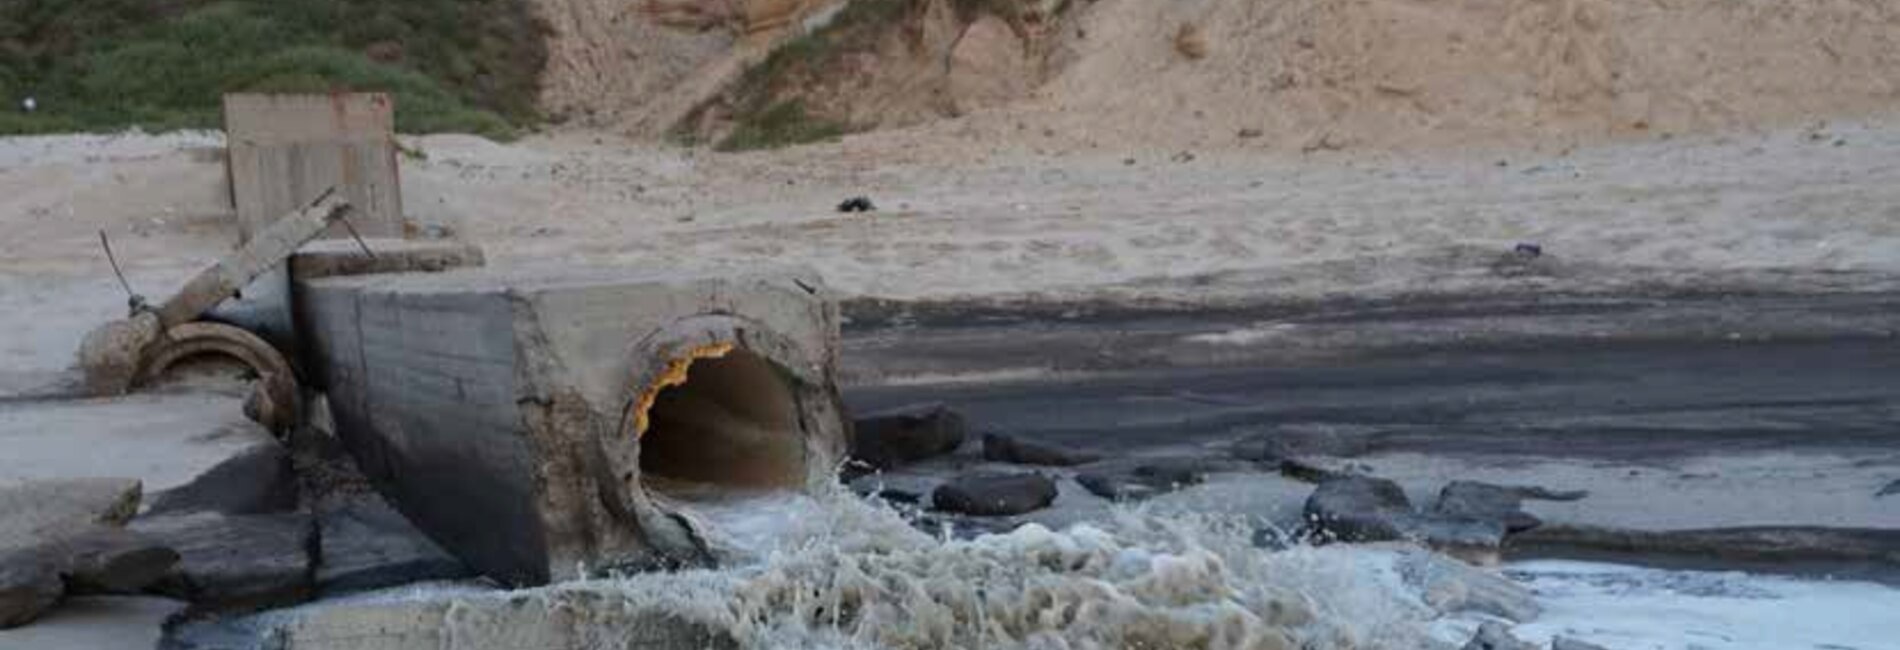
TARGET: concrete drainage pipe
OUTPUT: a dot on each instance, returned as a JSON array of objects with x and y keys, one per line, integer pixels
[{"x": 543, "y": 424}]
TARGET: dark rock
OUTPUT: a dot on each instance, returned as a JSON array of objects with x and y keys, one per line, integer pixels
[
  {"x": 857, "y": 204},
  {"x": 1528, "y": 250},
  {"x": 1360, "y": 509},
  {"x": 29, "y": 586},
  {"x": 1485, "y": 502},
  {"x": 1369, "y": 509},
  {"x": 1141, "y": 478},
  {"x": 1005, "y": 449},
  {"x": 992, "y": 495},
  {"x": 108, "y": 561},
  {"x": 236, "y": 562},
  {"x": 1891, "y": 489},
  {"x": 896, "y": 437},
  {"x": 1114, "y": 487},
  {"x": 364, "y": 544},
  {"x": 1496, "y": 636},
  {"x": 258, "y": 480},
  {"x": 1573, "y": 643},
  {"x": 1299, "y": 441}
]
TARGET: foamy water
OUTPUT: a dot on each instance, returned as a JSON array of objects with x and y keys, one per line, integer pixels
[
  {"x": 832, "y": 571},
  {"x": 1631, "y": 607},
  {"x": 835, "y": 572}
]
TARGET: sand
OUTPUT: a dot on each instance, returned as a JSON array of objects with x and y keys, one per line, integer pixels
[{"x": 1806, "y": 208}]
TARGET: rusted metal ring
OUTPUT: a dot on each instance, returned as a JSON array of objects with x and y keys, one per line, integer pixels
[{"x": 273, "y": 399}]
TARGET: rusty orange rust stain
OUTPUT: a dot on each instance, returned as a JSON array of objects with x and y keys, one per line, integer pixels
[{"x": 673, "y": 375}]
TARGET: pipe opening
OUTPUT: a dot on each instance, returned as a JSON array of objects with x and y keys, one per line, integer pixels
[{"x": 730, "y": 425}]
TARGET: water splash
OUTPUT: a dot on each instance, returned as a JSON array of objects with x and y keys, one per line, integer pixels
[{"x": 833, "y": 571}]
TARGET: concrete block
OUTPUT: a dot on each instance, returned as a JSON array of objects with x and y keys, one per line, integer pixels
[
  {"x": 537, "y": 422},
  {"x": 334, "y": 257}
]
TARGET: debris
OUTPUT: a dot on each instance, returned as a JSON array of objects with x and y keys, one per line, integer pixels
[
  {"x": 991, "y": 495},
  {"x": 112, "y": 355},
  {"x": 1891, "y": 489},
  {"x": 1528, "y": 250},
  {"x": 1189, "y": 42},
  {"x": 1250, "y": 133},
  {"x": 1006, "y": 449},
  {"x": 857, "y": 204}
]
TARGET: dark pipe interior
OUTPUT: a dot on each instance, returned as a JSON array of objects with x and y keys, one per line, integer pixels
[{"x": 734, "y": 423}]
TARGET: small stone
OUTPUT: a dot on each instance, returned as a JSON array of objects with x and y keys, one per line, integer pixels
[
  {"x": 1189, "y": 42},
  {"x": 1250, "y": 133},
  {"x": 1891, "y": 489},
  {"x": 857, "y": 204},
  {"x": 1006, "y": 449},
  {"x": 992, "y": 495}
]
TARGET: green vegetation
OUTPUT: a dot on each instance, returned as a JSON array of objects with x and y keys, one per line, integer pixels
[
  {"x": 781, "y": 125},
  {"x": 767, "y": 113},
  {"x": 453, "y": 65}
]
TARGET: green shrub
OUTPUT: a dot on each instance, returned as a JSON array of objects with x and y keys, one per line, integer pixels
[
  {"x": 454, "y": 65},
  {"x": 782, "y": 125}
]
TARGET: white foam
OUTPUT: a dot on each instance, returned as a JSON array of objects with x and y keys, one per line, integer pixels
[
  {"x": 840, "y": 573},
  {"x": 1630, "y": 607}
]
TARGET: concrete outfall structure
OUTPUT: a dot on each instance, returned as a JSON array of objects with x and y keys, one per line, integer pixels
[
  {"x": 125, "y": 354},
  {"x": 545, "y": 425}
]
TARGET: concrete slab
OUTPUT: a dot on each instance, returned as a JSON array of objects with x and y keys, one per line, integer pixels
[
  {"x": 162, "y": 439},
  {"x": 97, "y": 623},
  {"x": 334, "y": 257},
  {"x": 506, "y": 413}
]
